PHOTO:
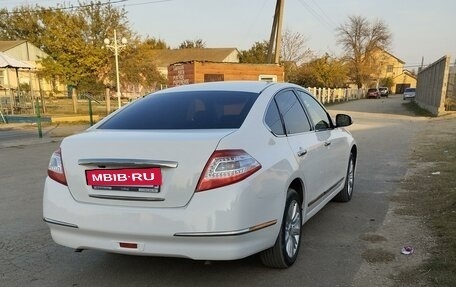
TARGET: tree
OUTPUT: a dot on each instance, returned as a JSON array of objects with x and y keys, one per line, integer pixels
[
  {"x": 153, "y": 43},
  {"x": 22, "y": 23},
  {"x": 360, "y": 40},
  {"x": 188, "y": 44},
  {"x": 257, "y": 54},
  {"x": 387, "y": 82},
  {"x": 324, "y": 72},
  {"x": 293, "y": 52},
  {"x": 139, "y": 69},
  {"x": 294, "y": 48},
  {"x": 73, "y": 38}
]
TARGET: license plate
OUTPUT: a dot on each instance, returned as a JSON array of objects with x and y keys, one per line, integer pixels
[{"x": 134, "y": 177}]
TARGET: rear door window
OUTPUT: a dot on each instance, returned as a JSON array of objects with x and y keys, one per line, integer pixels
[{"x": 293, "y": 114}]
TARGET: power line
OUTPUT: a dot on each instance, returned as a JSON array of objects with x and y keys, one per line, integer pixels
[
  {"x": 64, "y": 8},
  {"x": 145, "y": 3},
  {"x": 71, "y": 7},
  {"x": 316, "y": 15},
  {"x": 255, "y": 19},
  {"x": 330, "y": 20}
]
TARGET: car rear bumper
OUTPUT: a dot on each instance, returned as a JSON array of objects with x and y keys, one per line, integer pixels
[{"x": 210, "y": 227}]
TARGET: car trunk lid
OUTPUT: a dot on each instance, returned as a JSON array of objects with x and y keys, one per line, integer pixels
[{"x": 137, "y": 168}]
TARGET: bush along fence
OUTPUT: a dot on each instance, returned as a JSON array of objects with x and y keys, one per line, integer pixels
[{"x": 328, "y": 95}]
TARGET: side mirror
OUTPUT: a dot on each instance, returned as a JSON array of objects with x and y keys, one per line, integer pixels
[{"x": 343, "y": 120}]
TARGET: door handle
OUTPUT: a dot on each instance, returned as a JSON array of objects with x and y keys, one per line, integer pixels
[
  {"x": 327, "y": 143},
  {"x": 302, "y": 152}
]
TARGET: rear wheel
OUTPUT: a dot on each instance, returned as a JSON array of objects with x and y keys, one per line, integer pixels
[
  {"x": 346, "y": 193},
  {"x": 285, "y": 250}
]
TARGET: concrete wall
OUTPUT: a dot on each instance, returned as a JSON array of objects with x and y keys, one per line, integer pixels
[
  {"x": 432, "y": 85},
  {"x": 450, "y": 102}
]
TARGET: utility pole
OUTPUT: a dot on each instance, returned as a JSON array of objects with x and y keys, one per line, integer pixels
[
  {"x": 276, "y": 33},
  {"x": 273, "y": 32},
  {"x": 422, "y": 63},
  {"x": 116, "y": 47}
]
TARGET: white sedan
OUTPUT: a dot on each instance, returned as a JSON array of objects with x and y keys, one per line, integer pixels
[
  {"x": 409, "y": 93},
  {"x": 213, "y": 171}
]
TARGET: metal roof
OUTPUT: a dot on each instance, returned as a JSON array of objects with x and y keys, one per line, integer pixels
[
  {"x": 7, "y": 61},
  {"x": 8, "y": 45},
  {"x": 166, "y": 57}
]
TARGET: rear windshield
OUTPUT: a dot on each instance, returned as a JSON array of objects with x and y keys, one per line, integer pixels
[
  {"x": 185, "y": 110},
  {"x": 410, "y": 89}
]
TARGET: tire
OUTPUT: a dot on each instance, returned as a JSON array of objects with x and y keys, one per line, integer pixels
[
  {"x": 286, "y": 248},
  {"x": 346, "y": 193}
]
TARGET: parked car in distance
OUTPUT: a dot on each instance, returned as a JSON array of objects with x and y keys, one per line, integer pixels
[
  {"x": 409, "y": 93},
  {"x": 212, "y": 171},
  {"x": 373, "y": 93},
  {"x": 384, "y": 91}
]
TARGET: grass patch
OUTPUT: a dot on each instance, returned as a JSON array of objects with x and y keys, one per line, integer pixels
[
  {"x": 417, "y": 110},
  {"x": 431, "y": 195}
]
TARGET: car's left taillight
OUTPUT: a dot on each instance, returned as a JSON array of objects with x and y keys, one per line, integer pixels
[
  {"x": 55, "y": 168},
  {"x": 226, "y": 167}
]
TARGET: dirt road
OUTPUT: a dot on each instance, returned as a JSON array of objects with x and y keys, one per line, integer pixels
[{"x": 353, "y": 244}]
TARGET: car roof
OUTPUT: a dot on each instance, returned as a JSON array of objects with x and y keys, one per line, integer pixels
[{"x": 241, "y": 86}]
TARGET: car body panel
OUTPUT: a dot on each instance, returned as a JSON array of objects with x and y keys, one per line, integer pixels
[
  {"x": 146, "y": 145},
  {"x": 103, "y": 227},
  {"x": 223, "y": 223},
  {"x": 409, "y": 93},
  {"x": 373, "y": 93},
  {"x": 384, "y": 91}
]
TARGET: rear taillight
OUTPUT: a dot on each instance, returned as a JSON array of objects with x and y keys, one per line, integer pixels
[
  {"x": 55, "y": 169},
  {"x": 226, "y": 167}
]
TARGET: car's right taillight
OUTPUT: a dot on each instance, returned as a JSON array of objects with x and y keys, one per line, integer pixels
[
  {"x": 226, "y": 167},
  {"x": 55, "y": 168}
]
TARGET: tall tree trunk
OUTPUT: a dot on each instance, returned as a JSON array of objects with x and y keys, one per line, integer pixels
[{"x": 75, "y": 100}]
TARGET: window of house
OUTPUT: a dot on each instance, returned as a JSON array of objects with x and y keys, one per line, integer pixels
[
  {"x": 214, "y": 77},
  {"x": 389, "y": 68},
  {"x": 267, "y": 78}
]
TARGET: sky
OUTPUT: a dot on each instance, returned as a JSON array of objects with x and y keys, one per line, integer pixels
[{"x": 420, "y": 28}]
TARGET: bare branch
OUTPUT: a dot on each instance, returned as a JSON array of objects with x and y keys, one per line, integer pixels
[{"x": 360, "y": 40}]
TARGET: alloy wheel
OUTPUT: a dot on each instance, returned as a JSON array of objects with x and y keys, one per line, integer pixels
[{"x": 292, "y": 229}]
